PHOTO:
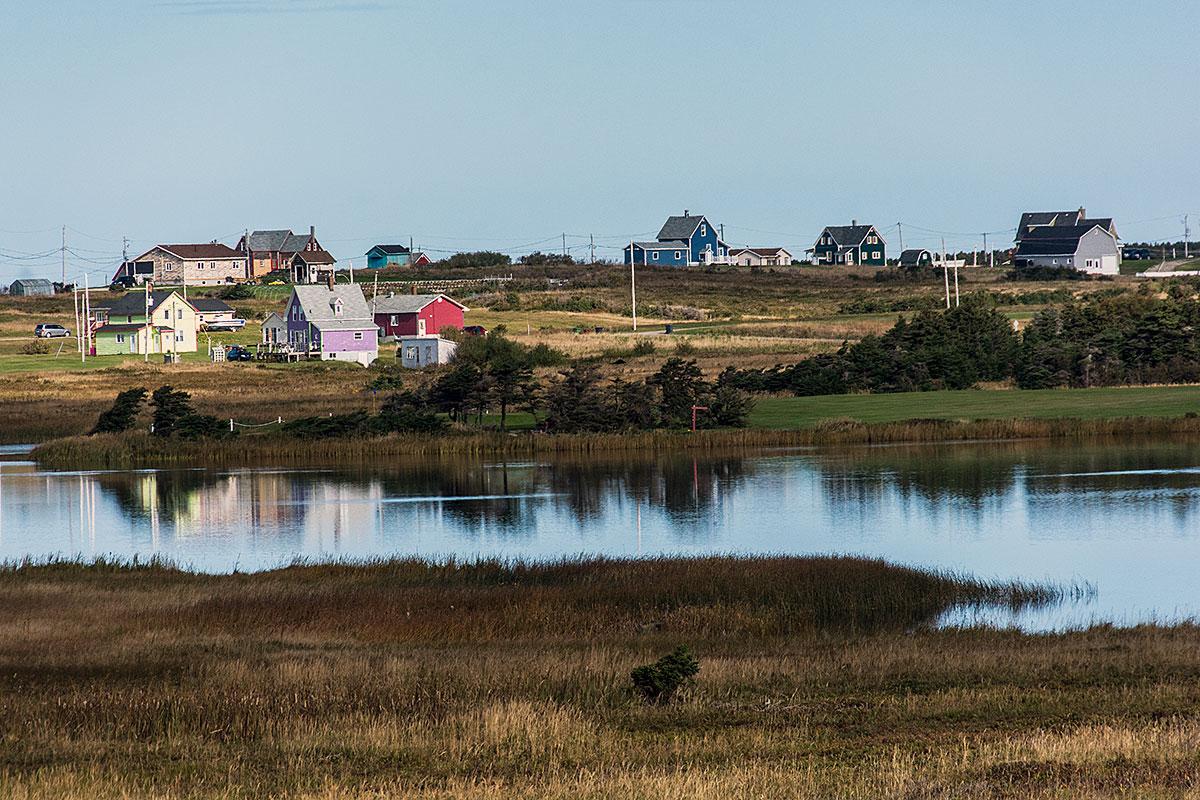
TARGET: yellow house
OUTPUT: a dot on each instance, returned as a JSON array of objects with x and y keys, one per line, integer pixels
[{"x": 155, "y": 322}]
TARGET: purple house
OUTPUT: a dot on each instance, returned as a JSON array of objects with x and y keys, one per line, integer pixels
[{"x": 332, "y": 323}]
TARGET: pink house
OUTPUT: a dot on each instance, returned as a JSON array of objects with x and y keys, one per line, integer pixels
[
  {"x": 416, "y": 314},
  {"x": 332, "y": 323}
]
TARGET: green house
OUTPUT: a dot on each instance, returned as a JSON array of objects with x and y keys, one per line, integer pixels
[
  {"x": 850, "y": 244},
  {"x": 124, "y": 338}
]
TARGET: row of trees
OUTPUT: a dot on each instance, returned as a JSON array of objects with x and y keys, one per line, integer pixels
[
  {"x": 172, "y": 415},
  {"x": 1105, "y": 340}
]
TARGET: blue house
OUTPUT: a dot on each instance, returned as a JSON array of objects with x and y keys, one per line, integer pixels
[
  {"x": 683, "y": 241},
  {"x": 388, "y": 255}
]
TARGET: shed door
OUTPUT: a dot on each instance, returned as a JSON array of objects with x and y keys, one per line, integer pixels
[{"x": 420, "y": 327}]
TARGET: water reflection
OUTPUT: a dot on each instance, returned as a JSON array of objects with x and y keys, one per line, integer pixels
[{"x": 1121, "y": 517}]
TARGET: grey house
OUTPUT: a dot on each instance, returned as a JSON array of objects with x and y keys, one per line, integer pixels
[
  {"x": 31, "y": 287},
  {"x": 1090, "y": 248}
]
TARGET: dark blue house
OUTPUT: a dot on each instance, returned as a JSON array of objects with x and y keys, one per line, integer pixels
[{"x": 683, "y": 241}]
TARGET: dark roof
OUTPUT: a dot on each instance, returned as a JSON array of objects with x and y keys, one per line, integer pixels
[
  {"x": 848, "y": 235},
  {"x": 680, "y": 227},
  {"x": 1053, "y": 240},
  {"x": 134, "y": 303},
  {"x": 295, "y": 243},
  {"x": 122, "y": 328},
  {"x": 408, "y": 303},
  {"x": 764, "y": 251},
  {"x": 1048, "y": 218},
  {"x": 390, "y": 249},
  {"x": 33, "y": 283},
  {"x": 193, "y": 252},
  {"x": 315, "y": 257},
  {"x": 210, "y": 304},
  {"x": 268, "y": 241},
  {"x": 661, "y": 245},
  {"x": 914, "y": 256}
]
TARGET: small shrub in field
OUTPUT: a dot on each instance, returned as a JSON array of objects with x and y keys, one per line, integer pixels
[
  {"x": 644, "y": 347},
  {"x": 35, "y": 348},
  {"x": 684, "y": 348},
  {"x": 659, "y": 681}
]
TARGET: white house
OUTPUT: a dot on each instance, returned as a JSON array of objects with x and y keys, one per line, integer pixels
[
  {"x": 418, "y": 352},
  {"x": 760, "y": 256}
]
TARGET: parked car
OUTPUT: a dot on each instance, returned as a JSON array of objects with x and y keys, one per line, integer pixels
[
  {"x": 475, "y": 330},
  {"x": 225, "y": 325},
  {"x": 238, "y": 353},
  {"x": 48, "y": 330}
]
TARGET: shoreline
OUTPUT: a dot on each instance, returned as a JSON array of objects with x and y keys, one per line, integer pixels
[{"x": 142, "y": 450}]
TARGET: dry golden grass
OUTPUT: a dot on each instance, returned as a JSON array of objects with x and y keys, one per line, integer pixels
[{"x": 404, "y": 680}]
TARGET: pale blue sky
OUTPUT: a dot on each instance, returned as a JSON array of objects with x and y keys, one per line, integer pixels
[{"x": 472, "y": 124}]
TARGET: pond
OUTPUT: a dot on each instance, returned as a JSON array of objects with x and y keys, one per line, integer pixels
[{"x": 1122, "y": 520}]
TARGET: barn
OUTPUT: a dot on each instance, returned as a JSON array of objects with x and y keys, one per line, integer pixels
[{"x": 416, "y": 314}]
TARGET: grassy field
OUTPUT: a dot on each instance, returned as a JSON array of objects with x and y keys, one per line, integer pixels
[
  {"x": 819, "y": 677},
  {"x": 1087, "y": 404}
]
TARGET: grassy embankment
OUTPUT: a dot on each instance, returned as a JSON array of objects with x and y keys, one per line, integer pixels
[
  {"x": 819, "y": 678},
  {"x": 775, "y": 421}
]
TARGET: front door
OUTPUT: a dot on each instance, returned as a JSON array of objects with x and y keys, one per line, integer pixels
[
  {"x": 850, "y": 257},
  {"x": 420, "y": 327}
]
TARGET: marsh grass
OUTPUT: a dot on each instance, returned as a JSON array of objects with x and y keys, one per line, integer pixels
[
  {"x": 139, "y": 449},
  {"x": 490, "y": 679}
]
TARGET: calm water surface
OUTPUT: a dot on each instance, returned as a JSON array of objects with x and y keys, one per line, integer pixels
[{"x": 1125, "y": 519}]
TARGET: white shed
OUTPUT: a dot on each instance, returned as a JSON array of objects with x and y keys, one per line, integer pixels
[
  {"x": 417, "y": 352},
  {"x": 274, "y": 329}
]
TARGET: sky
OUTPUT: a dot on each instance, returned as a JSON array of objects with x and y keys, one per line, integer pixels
[{"x": 502, "y": 125}]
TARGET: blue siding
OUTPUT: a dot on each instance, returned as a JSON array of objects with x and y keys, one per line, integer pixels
[
  {"x": 665, "y": 258},
  {"x": 376, "y": 260}
]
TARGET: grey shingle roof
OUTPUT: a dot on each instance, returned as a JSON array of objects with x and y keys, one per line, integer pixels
[
  {"x": 664, "y": 245},
  {"x": 318, "y": 301},
  {"x": 294, "y": 243},
  {"x": 268, "y": 241},
  {"x": 680, "y": 227},
  {"x": 390, "y": 249},
  {"x": 1054, "y": 240},
  {"x": 848, "y": 235},
  {"x": 133, "y": 303},
  {"x": 33, "y": 283},
  {"x": 209, "y": 304}
]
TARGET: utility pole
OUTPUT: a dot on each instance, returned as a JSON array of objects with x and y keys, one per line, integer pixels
[
  {"x": 632, "y": 286},
  {"x": 945, "y": 273},
  {"x": 592, "y": 241},
  {"x": 64, "y": 255},
  {"x": 1186, "y": 234},
  {"x": 564, "y": 244},
  {"x": 986, "y": 256},
  {"x": 900, "y": 229}
]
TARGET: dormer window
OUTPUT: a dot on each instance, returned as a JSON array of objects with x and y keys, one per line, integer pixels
[{"x": 337, "y": 307}]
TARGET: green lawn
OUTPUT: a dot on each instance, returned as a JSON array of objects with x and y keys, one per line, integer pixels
[{"x": 1150, "y": 401}]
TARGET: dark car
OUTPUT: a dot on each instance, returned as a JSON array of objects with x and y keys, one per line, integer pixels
[
  {"x": 238, "y": 353},
  {"x": 475, "y": 330},
  {"x": 48, "y": 330}
]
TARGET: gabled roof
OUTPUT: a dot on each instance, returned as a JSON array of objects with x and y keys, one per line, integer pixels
[
  {"x": 1055, "y": 240},
  {"x": 269, "y": 241},
  {"x": 315, "y": 257},
  {"x": 408, "y": 303},
  {"x": 850, "y": 235},
  {"x": 134, "y": 303},
  {"x": 1048, "y": 218},
  {"x": 294, "y": 243},
  {"x": 761, "y": 251},
  {"x": 33, "y": 283},
  {"x": 196, "y": 252},
  {"x": 209, "y": 304},
  {"x": 680, "y": 227},
  {"x": 318, "y": 302},
  {"x": 390, "y": 249}
]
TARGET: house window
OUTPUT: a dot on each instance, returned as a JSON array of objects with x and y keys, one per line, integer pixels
[
  {"x": 179, "y": 337},
  {"x": 120, "y": 338},
  {"x": 358, "y": 336},
  {"x": 410, "y": 353},
  {"x": 875, "y": 254},
  {"x": 678, "y": 255},
  {"x": 655, "y": 256},
  {"x": 703, "y": 229},
  {"x": 395, "y": 319}
]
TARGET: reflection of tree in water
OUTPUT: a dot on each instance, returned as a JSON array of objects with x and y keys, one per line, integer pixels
[
  {"x": 168, "y": 493},
  {"x": 968, "y": 474}
]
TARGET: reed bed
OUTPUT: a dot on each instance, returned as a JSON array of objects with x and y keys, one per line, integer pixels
[
  {"x": 490, "y": 679},
  {"x": 143, "y": 450}
]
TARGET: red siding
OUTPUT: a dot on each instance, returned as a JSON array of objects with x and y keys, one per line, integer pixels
[{"x": 437, "y": 315}]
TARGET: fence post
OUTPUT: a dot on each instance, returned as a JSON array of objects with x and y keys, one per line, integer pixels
[{"x": 231, "y": 424}]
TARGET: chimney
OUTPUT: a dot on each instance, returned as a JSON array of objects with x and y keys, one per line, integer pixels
[
  {"x": 685, "y": 212},
  {"x": 854, "y": 223},
  {"x": 312, "y": 230},
  {"x": 1082, "y": 212}
]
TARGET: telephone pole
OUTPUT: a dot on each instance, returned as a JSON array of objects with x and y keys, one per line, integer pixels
[
  {"x": 985, "y": 250},
  {"x": 564, "y": 244},
  {"x": 632, "y": 285},
  {"x": 1186, "y": 235},
  {"x": 64, "y": 255},
  {"x": 592, "y": 242},
  {"x": 900, "y": 229}
]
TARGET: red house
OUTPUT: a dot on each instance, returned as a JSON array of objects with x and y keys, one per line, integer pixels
[{"x": 416, "y": 314}]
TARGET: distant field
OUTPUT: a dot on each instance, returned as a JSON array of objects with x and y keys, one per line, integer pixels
[{"x": 1148, "y": 401}]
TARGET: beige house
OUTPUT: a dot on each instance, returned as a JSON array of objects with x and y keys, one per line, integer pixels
[
  {"x": 161, "y": 321},
  {"x": 760, "y": 256},
  {"x": 211, "y": 264}
]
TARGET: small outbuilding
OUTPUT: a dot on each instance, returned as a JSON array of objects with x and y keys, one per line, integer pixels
[
  {"x": 418, "y": 352},
  {"x": 916, "y": 258},
  {"x": 416, "y": 314},
  {"x": 31, "y": 287},
  {"x": 274, "y": 329}
]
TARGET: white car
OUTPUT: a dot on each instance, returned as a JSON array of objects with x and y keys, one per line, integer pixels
[{"x": 225, "y": 325}]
